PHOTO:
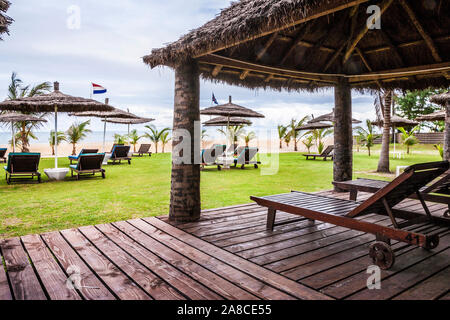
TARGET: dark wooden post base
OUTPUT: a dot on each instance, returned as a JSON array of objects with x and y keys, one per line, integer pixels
[
  {"x": 343, "y": 139},
  {"x": 447, "y": 133},
  {"x": 185, "y": 202}
]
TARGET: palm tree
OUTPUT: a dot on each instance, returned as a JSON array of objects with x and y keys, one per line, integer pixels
[
  {"x": 249, "y": 137},
  {"x": 308, "y": 142},
  {"x": 282, "y": 130},
  {"x": 155, "y": 135},
  {"x": 294, "y": 134},
  {"x": 17, "y": 90},
  {"x": 439, "y": 148},
  {"x": 367, "y": 137},
  {"x": 408, "y": 138},
  {"x": 76, "y": 133},
  {"x": 60, "y": 137},
  {"x": 383, "y": 164},
  {"x": 134, "y": 138},
  {"x": 165, "y": 139},
  {"x": 120, "y": 138},
  {"x": 319, "y": 135}
]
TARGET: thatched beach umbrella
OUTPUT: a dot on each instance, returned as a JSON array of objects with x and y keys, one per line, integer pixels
[
  {"x": 54, "y": 102},
  {"x": 128, "y": 122},
  {"x": 230, "y": 110},
  {"x": 329, "y": 117},
  {"x": 116, "y": 113},
  {"x": 314, "y": 126},
  {"x": 397, "y": 121},
  {"x": 224, "y": 121},
  {"x": 435, "y": 116},
  {"x": 13, "y": 117},
  {"x": 5, "y": 21}
]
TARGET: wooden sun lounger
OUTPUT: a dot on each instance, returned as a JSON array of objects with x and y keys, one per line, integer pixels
[
  {"x": 327, "y": 153},
  {"x": 22, "y": 166},
  {"x": 438, "y": 191},
  {"x": 143, "y": 149},
  {"x": 246, "y": 158},
  {"x": 88, "y": 164},
  {"x": 3, "y": 154},
  {"x": 119, "y": 154},
  {"x": 209, "y": 156},
  {"x": 344, "y": 212}
]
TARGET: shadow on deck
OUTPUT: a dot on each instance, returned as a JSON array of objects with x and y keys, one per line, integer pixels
[{"x": 228, "y": 254}]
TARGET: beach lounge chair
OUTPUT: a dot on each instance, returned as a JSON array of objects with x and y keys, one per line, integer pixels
[
  {"x": 238, "y": 151},
  {"x": 88, "y": 164},
  {"x": 120, "y": 153},
  {"x": 409, "y": 227},
  {"x": 209, "y": 156},
  {"x": 3, "y": 154},
  {"x": 83, "y": 151},
  {"x": 143, "y": 149},
  {"x": 327, "y": 153},
  {"x": 437, "y": 191},
  {"x": 23, "y": 166},
  {"x": 246, "y": 157}
]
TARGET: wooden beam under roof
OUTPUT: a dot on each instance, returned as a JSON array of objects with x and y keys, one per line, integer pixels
[
  {"x": 216, "y": 70},
  {"x": 266, "y": 47},
  {"x": 326, "y": 9},
  {"x": 429, "y": 41},
  {"x": 353, "y": 43}
]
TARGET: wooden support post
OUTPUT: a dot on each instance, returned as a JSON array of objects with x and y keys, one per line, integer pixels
[
  {"x": 271, "y": 215},
  {"x": 185, "y": 190},
  {"x": 447, "y": 133},
  {"x": 343, "y": 140}
]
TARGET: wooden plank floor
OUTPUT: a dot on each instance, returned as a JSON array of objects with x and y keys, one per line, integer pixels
[
  {"x": 332, "y": 260},
  {"x": 228, "y": 254}
]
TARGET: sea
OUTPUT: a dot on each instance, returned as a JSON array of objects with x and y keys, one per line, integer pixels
[{"x": 43, "y": 136}]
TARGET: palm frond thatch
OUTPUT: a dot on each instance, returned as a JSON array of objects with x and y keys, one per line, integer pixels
[
  {"x": 231, "y": 110},
  {"x": 5, "y": 21},
  {"x": 128, "y": 121},
  {"x": 224, "y": 121},
  {"x": 442, "y": 99},
  {"x": 20, "y": 117},
  {"x": 115, "y": 113},
  {"x": 329, "y": 117},
  {"x": 397, "y": 121},
  {"x": 435, "y": 116}
]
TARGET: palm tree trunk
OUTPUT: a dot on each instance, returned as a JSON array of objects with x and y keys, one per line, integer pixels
[
  {"x": 156, "y": 147},
  {"x": 134, "y": 147},
  {"x": 295, "y": 144},
  {"x": 185, "y": 204},
  {"x": 368, "y": 148},
  {"x": 383, "y": 164},
  {"x": 53, "y": 150},
  {"x": 74, "y": 149},
  {"x": 281, "y": 144}
]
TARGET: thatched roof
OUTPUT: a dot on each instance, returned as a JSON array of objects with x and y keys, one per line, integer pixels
[
  {"x": 19, "y": 117},
  {"x": 5, "y": 21},
  {"x": 329, "y": 117},
  {"x": 231, "y": 110},
  {"x": 115, "y": 113},
  {"x": 314, "y": 126},
  {"x": 48, "y": 102},
  {"x": 435, "y": 116},
  {"x": 225, "y": 121},
  {"x": 310, "y": 44},
  {"x": 129, "y": 121},
  {"x": 397, "y": 121},
  {"x": 441, "y": 99}
]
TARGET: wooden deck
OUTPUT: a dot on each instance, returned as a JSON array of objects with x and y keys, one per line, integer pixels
[{"x": 228, "y": 254}]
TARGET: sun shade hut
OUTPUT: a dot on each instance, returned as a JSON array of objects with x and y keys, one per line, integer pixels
[
  {"x": 397, "y": 121},
  {"x": 435, "y": 116},
  {"x": 329, "y": 117},
  {"x": 314, "y": 126},
  {"x": 13, "y": 117},
  {"x": 54, "y": 102},
  {"x": 443, "y": 99},
  {"x": 224, "y": 121},
  {"x": 115, "y": 113},
  {"x": 5, "y": 21},
  {"x": 304, "y": 45}
]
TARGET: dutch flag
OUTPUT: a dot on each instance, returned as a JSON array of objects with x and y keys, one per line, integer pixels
[{"x": 97, "y": 89}]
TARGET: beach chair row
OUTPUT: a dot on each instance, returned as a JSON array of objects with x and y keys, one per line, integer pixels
[{"x": 217, "y": 156}]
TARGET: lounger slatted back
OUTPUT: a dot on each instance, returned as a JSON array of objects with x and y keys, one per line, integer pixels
[
  {"x": 327, "y": 153},
  {"x": 83, "y": 151},
  {"x": 239, "y": 151},
  {"x": 120, "y": 153},
  {"x": 143, "y": 149},
  {"x": 89, "y": 164},
  {"x": 3, "y": 154},
  {"x": 344, "y": 212},
  {"x": 23, "y": 165},
  {"x": 247, "y": 157},
  {"x": 115, "y": 145}
]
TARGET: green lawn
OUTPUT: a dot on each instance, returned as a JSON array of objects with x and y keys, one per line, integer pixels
[{"x": 142, "y": 190}]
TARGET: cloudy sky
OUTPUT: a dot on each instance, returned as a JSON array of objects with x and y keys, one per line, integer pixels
[{"x": 46, "y": 45}]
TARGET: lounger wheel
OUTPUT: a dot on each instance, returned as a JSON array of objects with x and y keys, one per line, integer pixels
[
  {"x": 432, "y": 242},
  {"x": 103, "y": 175},
  {"x": 382, "y": 255},
  {"x": 219, "y": 168},
  {"x": 447, "y": 214},
  {"x": 256, "y": 166},
  {"x": 8, "y": 180}
]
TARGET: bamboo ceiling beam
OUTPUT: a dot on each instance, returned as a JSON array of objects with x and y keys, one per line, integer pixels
[
  {"x": 244, "y": 74},
  {"x": 429, "y": 41},
  {"x": 326, "y": 9},
  {"x": 392, "y": 46},
  {"x": 266, "y": 47},
  {"x": 301, "y": 34},
  {"x": 367, "y": 64},
  {"x": 383, "y": 7},
  {"x": 268, "y": 78},
  {"x": 216, "y": 70},
  {"x": 336, "y": 55}
]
